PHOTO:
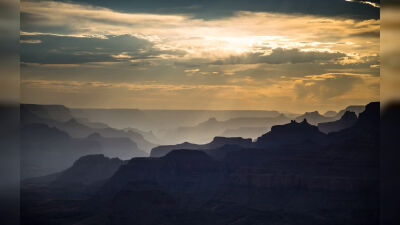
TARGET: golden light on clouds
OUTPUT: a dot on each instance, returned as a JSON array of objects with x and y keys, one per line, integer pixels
[
  {"x": 245, "y": 92},
  {"x": 366, "y": 2},
  {"x": 250, "y": 60},
  {"x": 244, "y": 32}
]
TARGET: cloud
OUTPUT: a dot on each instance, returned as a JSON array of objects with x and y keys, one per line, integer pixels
[
  {"x": 242, "y": 32},
  {"x": 373, "y": 3},
  {"x": 367, "y": 34},
  {"x": 158, "y": 58},
  {"x": 282, "y": 56},
  {"x": 32, "y": 41},
  {"x": 326, "y": 87},
  {"x": 324, "y": 91},
  {"x": 67, "y": 85},
  {"x": 216, "y": 9},
  {"x": 56, "y": 49},
  {"x": 138, "y": 95}
]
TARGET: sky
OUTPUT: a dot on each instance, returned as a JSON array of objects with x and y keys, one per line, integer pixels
[
  {"x": 283, "y": 55},
  {"x": 9, "y": 52}
]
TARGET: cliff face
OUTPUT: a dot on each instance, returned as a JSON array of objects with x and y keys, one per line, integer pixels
[
  {"x": 52, "y": 139},
  {"x": 292, "y": 175},
  {"x": 357, "y": 109},
  {"x": 189, "y": 176},
  {"x": 370, "y": 117},
  {"x": 163, "y": 150},
  {"x": 85, "y": 171},
  {"x": 290, "y": 134},
  {"x": 89, "y": 169},
  {"x": 347, "y": 120},
  {"x": 46, "y": 150},
  {"x": 365, "y": 131}
]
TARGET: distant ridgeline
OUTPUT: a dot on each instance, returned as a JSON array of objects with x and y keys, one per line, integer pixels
[
  {"x": 79, "y": 132},
  {"x": 52, "y": 139},
  {"x": 297, "y": 173}
]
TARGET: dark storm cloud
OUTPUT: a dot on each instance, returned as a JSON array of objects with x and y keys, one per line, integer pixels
[
  {"x": 51, "y": 49},
  {"x": 210, "y": 9},
  {"x": 282, "y": 56}
]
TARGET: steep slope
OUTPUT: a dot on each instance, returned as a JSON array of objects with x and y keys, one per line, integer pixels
[
  {"x": 325, "y": 184},
  {"x": 89, "y": 169},
  {"x": 78, "y": 130},
  {"x": 296, "y": 175},
  {"x": 46, "y": 150},
  {"x": 390, "y": 168},
  {"x": 346, "y": 121},
  {"x": 182, "y": 173},
  {"x": 365, "y": 129},
  {"x": 76, "y": 127},
  {"x": 121, "y": 147},
  {"x": 357, "y": 109}
]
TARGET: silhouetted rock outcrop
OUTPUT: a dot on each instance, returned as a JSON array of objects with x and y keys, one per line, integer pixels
[
  {"x": 370, "y": 117},
  {"x": 290, "y": 134},
  {"x": 357, "y": 109},
  {"x": 390, "y": 167},
  {"x": 163, "y": 150},
  {"x": 189, "y": 176},
  {"x": 294, "y": 174},
  {"x": 89, "y": 169},
  {"x": 221, "y": 141},
  {"x": 86, "y": 170},
  {"x": 216, "y": 143},
  {"x": 366, "y": 129},
  {"x": 314, "y": 118},
  {"x": 347, "y": 120}
]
